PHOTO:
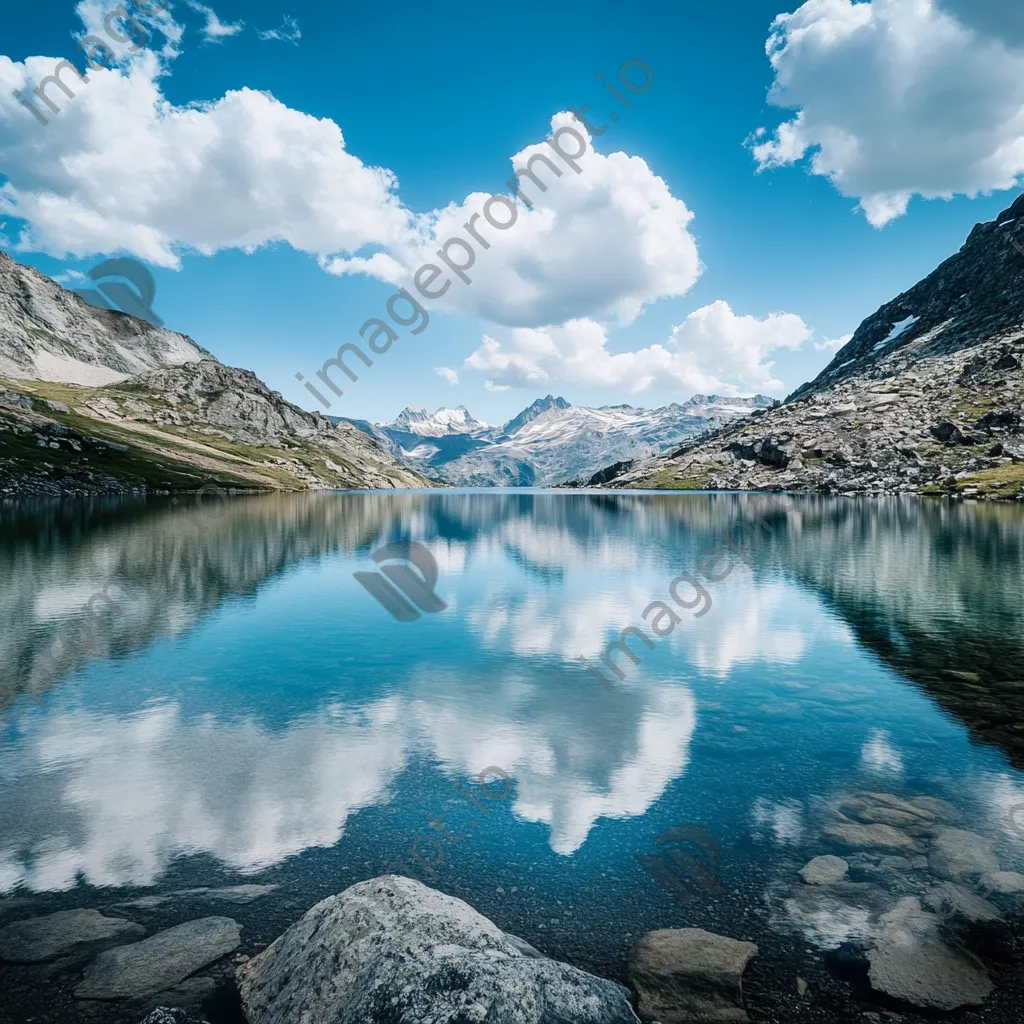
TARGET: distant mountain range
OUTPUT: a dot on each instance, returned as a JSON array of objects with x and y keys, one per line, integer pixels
[{"x": 549, "y": 442}]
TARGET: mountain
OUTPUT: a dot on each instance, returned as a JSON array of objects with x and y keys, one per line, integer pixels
[
  {"x": 93, "y": 401},
  {"x": 549, "y": 442},
  {"x": 437, "y": 424},
  {"x": 925, "y": 398},
  {"x": 48, "y": 333}
]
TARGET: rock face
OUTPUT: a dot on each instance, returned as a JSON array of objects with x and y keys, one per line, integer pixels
[
  {"x": 67, "y": 931},
  {"x": 824, "y": 870},
  {"x": 685, "y": 975},
  {"x": 926, "y": 397},
  {"x": 910, "y": 961},
  {"x": 159, "y": 962},
  {"x": 391, "y": 949},
  {"x": 49, "y": 333}
]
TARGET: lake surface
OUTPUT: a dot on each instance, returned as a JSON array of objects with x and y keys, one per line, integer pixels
[{"x": 245, "y": 711}]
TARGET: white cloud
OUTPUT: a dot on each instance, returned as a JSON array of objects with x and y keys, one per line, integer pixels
[
  {"x": 122, "y": 169},
  {"x": 447, "y": 373},
  {"x": 609, "y": 240},
  {"x": 897, "y": 98},
  {"x": 712, "y": 350},
  {"x": 832, "y": 345},
  {"x": 489, "y": 385},
  {"x": 288, "y": 32},
  {"x": 215, "y": 28}
]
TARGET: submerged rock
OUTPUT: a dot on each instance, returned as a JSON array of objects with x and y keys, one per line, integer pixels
[
  {"x": 956, "y": 853},
  {"x": 825, "y": 870},
  {"x": 884, "y": 809},
  {"x": 46, "y": 938},
  {"x": 869, "y": 837},
  {"x": 911, "y": 961},
  {"x": 1003, "y": 881},
  {"x": 392, "y": 949},
  {"x": 685, "y": 975},
  {"x": 952, "y": 901},
  {"x": 159, "y": 962}
]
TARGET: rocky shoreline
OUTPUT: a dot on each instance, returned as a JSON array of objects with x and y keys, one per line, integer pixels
[{"x": 905, "y": 913}]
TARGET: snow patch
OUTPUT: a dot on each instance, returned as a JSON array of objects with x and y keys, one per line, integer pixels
[{"x": 897, "y": 330}]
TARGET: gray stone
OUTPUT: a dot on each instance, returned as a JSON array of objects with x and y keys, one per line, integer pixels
[
  {"x": 825, "y": 870},
  {"x": 954, "y": 901},
  {"x": 940, "y": 809},
  {"x": 393, "y": 949},
  {"x": 955, "y": 853},
  {"x": 684, "y": 975},
  {"x": 884, "y": 809},
  {"x": 870, "y": 837},
  {"x": 910, "y": 961},
  {"x": 1003, "y": 881},
  {"x": 46, "y": 938},
  {"x": 159, "y": 962},
  {"x": 170, "y": 1015}
]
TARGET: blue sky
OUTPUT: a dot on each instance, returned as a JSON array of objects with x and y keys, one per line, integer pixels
[{"x": 713, "y": 258}]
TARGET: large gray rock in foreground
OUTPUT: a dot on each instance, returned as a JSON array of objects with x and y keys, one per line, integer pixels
[
  {"x": 685, "y": 975},
  {"x": 391, "y": 949},
  {"x": 67, "y": 931},
  {"x": 159, "y": 962}
]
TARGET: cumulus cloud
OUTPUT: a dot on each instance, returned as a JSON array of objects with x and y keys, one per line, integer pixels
[
  {"x": 608, "y": 240},
  {"x": 287, "y": 33},
  {"x": 896, "y": 98},
  {"x": 447, "y": 373},
  {"x": 712, "y": 350},
  {"x": 122, "y": 169}
]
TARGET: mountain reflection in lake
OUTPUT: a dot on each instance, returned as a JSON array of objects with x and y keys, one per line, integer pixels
[{"x": 249, "y": 713}]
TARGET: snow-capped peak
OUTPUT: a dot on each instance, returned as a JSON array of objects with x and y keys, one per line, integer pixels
[{"x": 438, "y": 423}]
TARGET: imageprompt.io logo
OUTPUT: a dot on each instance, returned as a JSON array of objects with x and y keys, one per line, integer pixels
[
  {"x": 400, "y": 590},
  {"x": 688, "y": 868},
  {"x": 114, "y": 294}
]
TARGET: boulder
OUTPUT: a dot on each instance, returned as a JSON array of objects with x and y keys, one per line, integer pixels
[
  {"x": 869, "y": 837},
  {"x": 159, "y": 962},
  {"x": 688, "y": 974},
  {"x": 393, "y": 949},
  {"x": 953, "y": 902},
  {"x": 956, "y": 853},
  {"x": 910, "y": 961},
  {"x": 826, "y": 870},
  {"x": 67, "y": 931},
  {"x": 1003, "y": 881},
  {"x": 884, "y": 809}
]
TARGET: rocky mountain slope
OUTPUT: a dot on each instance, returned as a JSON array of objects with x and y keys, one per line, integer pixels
[
  {"x": 927, "y": 397},
  {"x": 49, "y": 333},
  {"x": 549, "y": 442},
  {"x": 99, "y": 401}
]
